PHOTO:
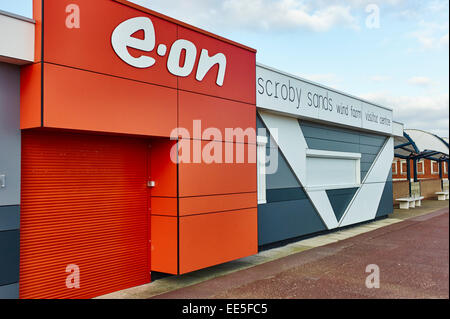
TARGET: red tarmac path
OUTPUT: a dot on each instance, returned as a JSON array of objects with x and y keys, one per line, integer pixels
[{"x": 413, "y": 257}]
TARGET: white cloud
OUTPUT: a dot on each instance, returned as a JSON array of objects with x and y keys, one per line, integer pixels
[
  {"x": 380, "y": 78},
  {"x": 259, "y": 14},
  {"x": 288, "y": 14},
  {"x": 420, "y": 81},
  {"x": 444, "y": 40},
  {"x": 431, "y": 35},
  {"x": 429, "y": 112}
]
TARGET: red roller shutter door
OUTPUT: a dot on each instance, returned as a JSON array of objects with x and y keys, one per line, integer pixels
[{"x": 84, "y": 202}]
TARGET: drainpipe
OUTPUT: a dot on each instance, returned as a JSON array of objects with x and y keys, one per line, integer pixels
[
  {"x": 415, "y": 169},
  {"x": 408, "y": 173}
]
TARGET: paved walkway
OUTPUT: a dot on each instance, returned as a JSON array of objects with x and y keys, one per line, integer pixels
[
  {"x": 173, "y": 283},
  {"x": 412, "y": 255}
]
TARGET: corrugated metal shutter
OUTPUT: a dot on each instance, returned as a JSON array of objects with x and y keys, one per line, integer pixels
[{"x": 84, "y": 202}]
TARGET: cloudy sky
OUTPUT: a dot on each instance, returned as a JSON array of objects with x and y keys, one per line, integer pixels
[{"x": 401, "y": 62}]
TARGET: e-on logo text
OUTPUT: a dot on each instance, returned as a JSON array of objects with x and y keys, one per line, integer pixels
[{"x": 122, "y": 38}]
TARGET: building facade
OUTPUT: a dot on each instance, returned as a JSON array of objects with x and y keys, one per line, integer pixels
[{"x": 134, "y": 143}]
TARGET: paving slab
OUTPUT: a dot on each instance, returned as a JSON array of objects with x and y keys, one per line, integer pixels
[{"x": 412, "y": 256}]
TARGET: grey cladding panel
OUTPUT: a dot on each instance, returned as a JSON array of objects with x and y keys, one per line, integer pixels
[
  {"x": 9, "y": 291},
  {"x": 10, "y": 133},
  {"x": 368, "y": 158},
  {"x": 9, "y": 253},
  {"x": 368, "y": 149},
  {"x": 285, "y": 194},
  {"x": 284, "y": 220},
  {"x": 340, "y": 199},
  {"x": 374, "y": 140},
  {"x": 365, "y": 166},
  {"x": 319, "y": 132},
  {"x": 9, "y": 217},
  {"x": 283, "y": 177},
  {"x": 387, "y": 202},
  {"x": 329, "y": 145}
]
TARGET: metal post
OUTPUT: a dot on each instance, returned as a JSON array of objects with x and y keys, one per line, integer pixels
[
  {"x": 415, "y": 169},
  {"x": 408, "y": 173}
]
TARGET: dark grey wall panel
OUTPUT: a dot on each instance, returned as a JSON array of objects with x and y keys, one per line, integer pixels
[
  {"x": 386, "y": 205},
  {"x": 339, "y": 199},
  {"x": 330, "y": 145},
  {"x": 9, "y": 257},
  {"x": 284, "y": 220},
  {"x": 372, "y": 139},
  {"x": 10, "y": 133},
  {"x": 285, "y": 194},
  {"x": 9, "y": 217},
  {"x": 365, "y": 166},
  {"x": 9, "y": 291},
  {"x": 315, "y": 130},
  {"x": 283, "y": 177},
  {"x": 368, "y": 149}
]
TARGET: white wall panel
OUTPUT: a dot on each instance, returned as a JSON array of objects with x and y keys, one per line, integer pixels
[
  {"x": 382, "y": 165},
  {"x": 17, "y": 39},
  {"x": 322, "y": 203},
  {"x": 289, "y": 138},
  {"x": 365, "y": 204}
]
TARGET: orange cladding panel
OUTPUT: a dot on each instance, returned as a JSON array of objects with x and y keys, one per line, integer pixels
[
  {"x": 84, "y": 203},
  {"x": 199, "y": 179},
  {"x": 164, "y": 244},
  {"x": 90, "y": 48},
  {"x": 30, "y": 96},
  {"x": 217, "y": 203},
  {"x": 166, "y": 206},
  {"x": 211, "y": 239},
  {"x": 162, "y": 169},
  {"x": 240, "y": 77},
  {"x": 37, "y": 17},
  {"x": 76, "y": 99},
  {"x": 218, "y": 114}
]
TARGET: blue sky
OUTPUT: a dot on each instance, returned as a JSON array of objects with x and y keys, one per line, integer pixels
[{"x": 403, "y": 64}]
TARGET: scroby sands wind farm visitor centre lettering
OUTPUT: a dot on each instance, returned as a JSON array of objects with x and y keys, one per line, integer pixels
[{"x": 87, "y": 182}]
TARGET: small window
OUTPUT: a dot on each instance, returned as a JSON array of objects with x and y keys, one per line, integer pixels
[
  {"x": 261, "y": 166},
  {"x": 434, "y": 167},
  {"x": 403, "y": 168},
  {"x": 421, "y": 167},
  {"x": 394, "y": 168},
  {"x": 332, "y": 170}
]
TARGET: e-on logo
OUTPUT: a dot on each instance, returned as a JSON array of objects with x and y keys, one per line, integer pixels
[{"x": 122, "y": 39}]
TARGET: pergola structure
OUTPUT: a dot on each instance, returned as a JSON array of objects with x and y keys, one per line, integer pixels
[{"x": 415, "y": 145}]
